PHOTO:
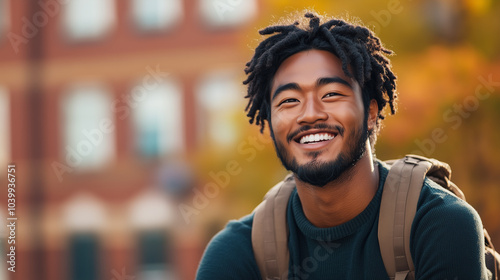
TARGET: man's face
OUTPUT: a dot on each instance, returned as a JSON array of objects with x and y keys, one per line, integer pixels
[{"x": 318, "y": 122}]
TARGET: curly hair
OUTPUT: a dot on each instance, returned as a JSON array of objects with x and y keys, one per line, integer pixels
[{"x": 356, "y": 46}]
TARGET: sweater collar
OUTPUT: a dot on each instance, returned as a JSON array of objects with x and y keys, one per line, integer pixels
[{"x": 334, "y": 233}]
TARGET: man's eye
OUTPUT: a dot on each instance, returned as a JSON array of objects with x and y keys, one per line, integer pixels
[
  {"x": 289, "y": 100},
  {"x": 331, "y": 94}
]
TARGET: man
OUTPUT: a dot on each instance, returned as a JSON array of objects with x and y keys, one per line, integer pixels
[{"x": 322, "y": 87}]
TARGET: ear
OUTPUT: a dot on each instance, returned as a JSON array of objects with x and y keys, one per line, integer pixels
[{"x": 372, "y": 115}]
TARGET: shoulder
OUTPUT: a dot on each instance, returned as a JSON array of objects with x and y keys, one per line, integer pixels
[
  {"x": 437, "y": 203},
  {"x": 446, "y": 237},
  {"x": 229, "y": 255},
  {"x": 440, "y": 213}
]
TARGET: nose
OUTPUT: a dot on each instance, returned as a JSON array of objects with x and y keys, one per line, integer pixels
[{"x": 312, "y": 111}]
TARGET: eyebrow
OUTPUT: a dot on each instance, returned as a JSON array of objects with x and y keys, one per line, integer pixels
[
  {"x": 320, "y": 82},
  {"x": 332, "y": 80},
  {"x": 284, "y": 87}
]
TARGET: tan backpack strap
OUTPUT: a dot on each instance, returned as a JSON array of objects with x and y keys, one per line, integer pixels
[
  {"x": 397, "y": 210},
  {"x": 270, "y": 231}
]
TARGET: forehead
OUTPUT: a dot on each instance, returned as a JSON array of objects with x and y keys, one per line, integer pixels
[{"x": 306, "y": 67}]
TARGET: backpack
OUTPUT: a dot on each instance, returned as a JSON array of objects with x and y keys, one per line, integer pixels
[{"x": 397, "y": 210}]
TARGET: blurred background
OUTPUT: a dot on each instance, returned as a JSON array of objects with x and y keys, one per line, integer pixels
[{"x": 125, "y": 122}]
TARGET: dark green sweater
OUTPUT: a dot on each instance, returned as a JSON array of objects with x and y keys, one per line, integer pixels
[{"x": 446, "y": 242}]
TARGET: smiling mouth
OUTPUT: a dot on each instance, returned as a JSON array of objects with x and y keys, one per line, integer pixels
[{"x": 316, "y": 138}]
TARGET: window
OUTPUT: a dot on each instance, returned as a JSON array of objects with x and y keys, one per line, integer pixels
[
  {"x": 84, "y": 213},
  {"x": 151, "y": 202},
  {"x": 219, "y": 98},
  {"x": 83, "y": 256},
  {"x": 151, "y": 15},
  {"x": 84, "y": 217},
  {"x": 154, "y": 245},
  {"x": 88, "y": 19},
  {"x": 227, "y": 13},
  {"x": 5, "y": 155},
  {"x": 4, "y": 17},
  {"x": 155, "y": 255},
  {"x": 88, "y": 127},
  {"x": 158, "y": 119}
]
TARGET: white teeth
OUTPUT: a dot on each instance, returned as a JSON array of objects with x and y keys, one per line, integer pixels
[{"x": 315, "y": 138}]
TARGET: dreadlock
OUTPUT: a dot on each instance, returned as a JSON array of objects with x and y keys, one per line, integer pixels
[{"x": 356, "y": 46}]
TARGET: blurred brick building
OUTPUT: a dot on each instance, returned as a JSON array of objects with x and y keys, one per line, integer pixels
[{"x": 100, "y": 100}]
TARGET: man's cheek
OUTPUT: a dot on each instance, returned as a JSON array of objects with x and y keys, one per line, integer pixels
[{"x": 278, "y": 121}]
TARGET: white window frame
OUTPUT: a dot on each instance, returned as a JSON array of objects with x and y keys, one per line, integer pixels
[
  {"x": 227, "y": 13},
  {"x": 172, "y": 14},
  {"x": 219, "y": 98},
  {"x": 82, "y": 32},
  {"x": 167, "y": 115},
  {"x": 85, "y": 143}
]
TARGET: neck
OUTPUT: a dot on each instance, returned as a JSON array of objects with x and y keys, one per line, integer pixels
[{"x": 343, "y": 199}]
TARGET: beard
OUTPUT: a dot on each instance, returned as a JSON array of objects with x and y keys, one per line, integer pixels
[{"x": 319, "y": 173}]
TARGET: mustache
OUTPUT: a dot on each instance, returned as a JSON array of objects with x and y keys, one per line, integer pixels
[{"x": 305, "y": 128}]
